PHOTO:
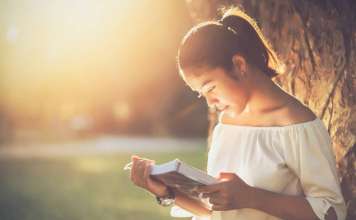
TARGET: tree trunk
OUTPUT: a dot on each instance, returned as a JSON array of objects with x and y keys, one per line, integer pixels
[{"x": 316, "y": 40}]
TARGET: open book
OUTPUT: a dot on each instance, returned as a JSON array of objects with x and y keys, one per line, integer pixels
[{"x": 182, "y": 177}]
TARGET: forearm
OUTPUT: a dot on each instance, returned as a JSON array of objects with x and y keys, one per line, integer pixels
[{"x": 283, "y": 206}]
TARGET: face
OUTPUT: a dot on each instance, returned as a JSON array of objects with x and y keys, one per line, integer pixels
[{"x": 218, "y": 88}]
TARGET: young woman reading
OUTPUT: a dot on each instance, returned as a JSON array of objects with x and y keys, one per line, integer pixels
[{"x": 272, "y": 155}]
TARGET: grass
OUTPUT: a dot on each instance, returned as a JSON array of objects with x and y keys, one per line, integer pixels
[{"x": 94, "y": 187}]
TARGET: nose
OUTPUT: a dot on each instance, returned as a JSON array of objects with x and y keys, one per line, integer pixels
[{"x": 212, "y": 101}]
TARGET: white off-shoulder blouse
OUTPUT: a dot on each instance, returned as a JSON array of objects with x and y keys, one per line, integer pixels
[{"x": 292, "y": 160}]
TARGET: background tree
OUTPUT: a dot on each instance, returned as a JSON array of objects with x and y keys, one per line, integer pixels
[{"x": 316, "y": 40}]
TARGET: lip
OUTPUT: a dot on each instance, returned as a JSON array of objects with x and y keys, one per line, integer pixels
[{"x": 225, "y": 107}]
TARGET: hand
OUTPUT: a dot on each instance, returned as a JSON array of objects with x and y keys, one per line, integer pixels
[
  {"x": 230, "y": 193},
  {"x": 140, "y": 176}
]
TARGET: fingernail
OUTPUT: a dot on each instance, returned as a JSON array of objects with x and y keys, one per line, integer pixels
[{"x": 134, "y": 157}]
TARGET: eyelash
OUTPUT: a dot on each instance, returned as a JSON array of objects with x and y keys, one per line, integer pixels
[{"x": 211, "y": 89}]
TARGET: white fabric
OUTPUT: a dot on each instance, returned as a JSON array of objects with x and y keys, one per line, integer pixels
[
  {"x": 176, "y": 211},
  {"x": 293, "y": 160}
]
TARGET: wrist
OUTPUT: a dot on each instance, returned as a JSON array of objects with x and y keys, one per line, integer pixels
[
  {"x": 168, "y": 199},
  {"x": 255, "y": 198},
  {"x": 162, "y": 192}
]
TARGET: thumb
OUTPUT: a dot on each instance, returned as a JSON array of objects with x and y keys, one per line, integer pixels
[
  {"x": 134, "y": 157},
  {"x": 226, "y": 176}
]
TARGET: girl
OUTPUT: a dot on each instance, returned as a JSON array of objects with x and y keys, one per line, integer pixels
[{"x": 272, "y": 155}]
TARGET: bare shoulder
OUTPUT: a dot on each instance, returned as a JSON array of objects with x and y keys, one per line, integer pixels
[
  {"x": 292, "y": 111},
  {"x": 296, "y": 112}
]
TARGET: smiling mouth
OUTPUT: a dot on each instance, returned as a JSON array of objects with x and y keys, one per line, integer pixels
[{"x": 222, "y": 109}]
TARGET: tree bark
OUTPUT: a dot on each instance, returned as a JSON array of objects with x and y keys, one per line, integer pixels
[{"x": 316, "y": 40}]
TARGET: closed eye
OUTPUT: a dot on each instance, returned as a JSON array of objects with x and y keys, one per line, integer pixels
[{"x": 209, "y": 90}]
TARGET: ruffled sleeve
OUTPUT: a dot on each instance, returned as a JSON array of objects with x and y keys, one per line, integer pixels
[
  {"x": 309, "y": 154},
  {"x": 179, "y": 212}
]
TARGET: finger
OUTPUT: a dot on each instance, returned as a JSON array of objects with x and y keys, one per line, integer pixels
[
  {"x": 134, "y": 167},
  {"x": 134, "y": 157},
  {"x": 214, "y": 198},
  {"x": 134, "y": 172},
  {"x": 210, "y": 195},
  {"x": 135, "y": 163},
  {"x": 147, "y": 172},
  {"x": 216, "y": 201},
  {"x": 137, "y": 169},
  {"x": 226, "y": 176},
  {"x": 147, "y": 166},
  {"x": 133, "y": 176},
  {"x": 141, "y": 167},
  {"x": 219, "y": 208},
  {"x": 135, "y": 160},
  {"x": 209, "y": 188},
  {"x": 145, "y": 159}
]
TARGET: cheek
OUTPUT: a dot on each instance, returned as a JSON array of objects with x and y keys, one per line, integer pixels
[
  {"x": 233, "y": 95},
  {"x": 236, "y": 99}
]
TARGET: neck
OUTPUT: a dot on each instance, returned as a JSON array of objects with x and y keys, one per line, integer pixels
[{"x": 265, "y": 95}]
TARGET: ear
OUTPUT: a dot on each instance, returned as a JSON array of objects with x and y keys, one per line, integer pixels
[{"x": 240, "y": 64}]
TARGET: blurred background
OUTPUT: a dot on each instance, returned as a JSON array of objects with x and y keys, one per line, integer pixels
[
  {"x": 84, "y": 85},
  {"x": 81, "y": 68}
]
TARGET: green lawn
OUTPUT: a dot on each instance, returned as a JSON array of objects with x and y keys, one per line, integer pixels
[{"x": 94, "y": 187}]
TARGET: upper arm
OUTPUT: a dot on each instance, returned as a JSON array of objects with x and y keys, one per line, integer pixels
[{"x": 311, "y": 158}]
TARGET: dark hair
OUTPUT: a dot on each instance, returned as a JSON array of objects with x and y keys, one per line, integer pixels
[{"x": 213, "y": 44}]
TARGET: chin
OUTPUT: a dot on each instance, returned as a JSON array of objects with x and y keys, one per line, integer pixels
[
  {"x": 231, "y": 112},
  {"x": 227, "y": 112}
]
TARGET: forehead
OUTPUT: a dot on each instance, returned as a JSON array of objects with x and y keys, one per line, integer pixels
[{"x": 195, "y": 78}]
